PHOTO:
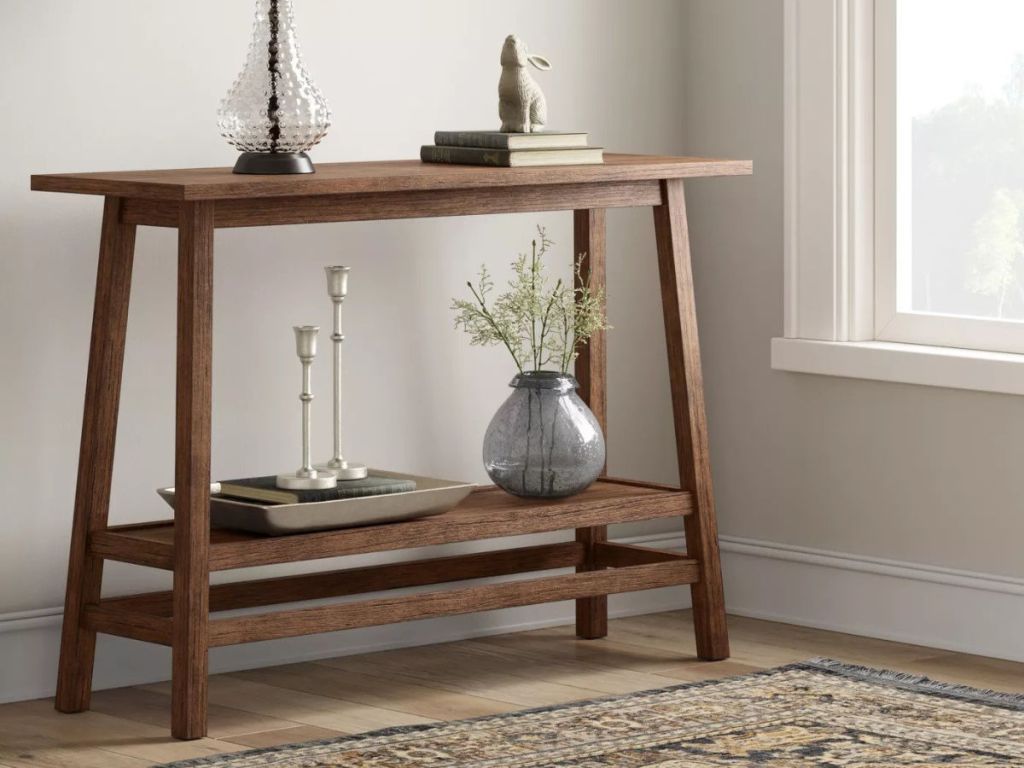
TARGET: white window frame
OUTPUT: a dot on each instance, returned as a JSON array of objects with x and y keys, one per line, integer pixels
[
  {"x": 892, "y": 159},
  {"x": 841, "y": 313}
]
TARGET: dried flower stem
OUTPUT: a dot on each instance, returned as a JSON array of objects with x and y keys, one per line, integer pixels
[{"x": 533, "y": 322}]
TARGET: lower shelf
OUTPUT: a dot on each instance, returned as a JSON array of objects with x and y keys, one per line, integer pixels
[
  {"x": 602, "y": 567},
  {"x": 486, "y": 513},
  {"x": 619, "y": 568}
]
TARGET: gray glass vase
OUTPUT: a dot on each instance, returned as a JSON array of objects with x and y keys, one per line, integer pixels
[{"x": 544, "y": 441}]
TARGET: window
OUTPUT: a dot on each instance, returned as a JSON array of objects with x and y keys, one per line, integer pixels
[
  {"x": 949, "y": 173},
  {"x": 904, "y": 191}
]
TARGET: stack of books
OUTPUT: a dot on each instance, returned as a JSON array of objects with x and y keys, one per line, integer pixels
[
  {"x": 511, "y": 150},
  {"x": 265, "y": 490}
]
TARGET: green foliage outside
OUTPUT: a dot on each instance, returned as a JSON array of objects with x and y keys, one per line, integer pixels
[{"x": 968, "y": 205}]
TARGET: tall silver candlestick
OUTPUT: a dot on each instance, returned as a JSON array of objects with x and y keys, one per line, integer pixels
[
  {"x": 307, "y": 477},
  {"x": 337, "y": 289}
]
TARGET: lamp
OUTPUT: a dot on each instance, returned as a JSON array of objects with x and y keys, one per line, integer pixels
[{"x": 274, "y": 113}]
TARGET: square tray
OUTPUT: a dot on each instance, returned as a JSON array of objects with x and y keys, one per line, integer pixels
[{"x": 431, "y": 497}]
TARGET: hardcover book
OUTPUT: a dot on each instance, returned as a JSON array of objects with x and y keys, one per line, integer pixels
[
  {"x": 511, "y": 158},
  {"x": 265, "y": 489},
  {"x": 499, "y": 140}
]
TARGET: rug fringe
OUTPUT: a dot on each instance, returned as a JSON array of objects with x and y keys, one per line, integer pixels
[{"x": 909, "y": 681}]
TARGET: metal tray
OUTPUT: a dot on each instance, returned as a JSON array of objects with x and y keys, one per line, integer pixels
[{"x": 431, "y": 497}]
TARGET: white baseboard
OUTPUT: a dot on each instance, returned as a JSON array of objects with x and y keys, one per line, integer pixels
[
  {"x": 926, "y": 605},
  {"x": 907, "y": 602}
]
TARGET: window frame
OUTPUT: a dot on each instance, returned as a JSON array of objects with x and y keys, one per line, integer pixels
[
  {"x": 839, "y": 223},
  {"x": 892, "y": 162}
]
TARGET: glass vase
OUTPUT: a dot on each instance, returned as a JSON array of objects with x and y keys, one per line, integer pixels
[
  {"x": 544, "y": 441},
  {"x": 274, "y": 113}
]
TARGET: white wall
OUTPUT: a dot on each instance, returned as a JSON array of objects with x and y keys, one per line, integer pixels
[
  {"x": 854, "y": 498},
  {"x": 921, "y": 474},
  {"x": 124, "y": 84}
]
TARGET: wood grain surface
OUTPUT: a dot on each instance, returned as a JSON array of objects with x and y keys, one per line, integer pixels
[
  {"x": 614, "y": 555},
  {"x": 679, "y": 308},
  {"x": 376, "y": 176},
  {"x": 191, "y": 532},
  {"x": 486, "y": 513},
  {"x": 373, "y": 578},
  {"x": 120, "y": 621},
  {"x": 449, "y": 602},
  {"x": 591, "y": 368},
  {"x": 412, "y": 204},
  {"x": 96, "y": 454}
]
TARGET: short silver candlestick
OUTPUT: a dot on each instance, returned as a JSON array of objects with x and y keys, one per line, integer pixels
[
  {"x": 337, "y": 288},
  {"x": 307, "y": 478}
]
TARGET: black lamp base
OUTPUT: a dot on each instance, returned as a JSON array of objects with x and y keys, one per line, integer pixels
[{"x": 269, "y": 163}]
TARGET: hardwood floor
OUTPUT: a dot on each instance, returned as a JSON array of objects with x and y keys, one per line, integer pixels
[{"x": 128, "y": 727}]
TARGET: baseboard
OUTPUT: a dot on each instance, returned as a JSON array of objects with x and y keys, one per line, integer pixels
[
  {"x": 912, "y": 603},
  {"x": 907, "y": 602}
]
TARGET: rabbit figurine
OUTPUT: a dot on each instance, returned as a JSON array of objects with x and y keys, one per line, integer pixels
[{"x": 521, "y": 104}]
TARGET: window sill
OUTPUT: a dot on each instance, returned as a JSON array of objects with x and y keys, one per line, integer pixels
[{"x": 906, "y": 363}]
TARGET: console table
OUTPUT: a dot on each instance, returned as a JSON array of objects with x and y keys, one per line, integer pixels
[{"x": 198, "y": 201}]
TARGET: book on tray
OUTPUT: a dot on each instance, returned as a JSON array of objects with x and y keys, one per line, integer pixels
[
  {"x": 264, "y": 489},
  {"x": 511, "y": 150}
]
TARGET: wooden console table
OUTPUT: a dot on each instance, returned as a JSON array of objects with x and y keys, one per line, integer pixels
[{"x": 200, "y": 200}]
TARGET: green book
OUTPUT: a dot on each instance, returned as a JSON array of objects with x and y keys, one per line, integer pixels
[
  {"x": 511, "y": 158},
  {"x": 499, "y": 140},
  {"x": 265, "y": 489}
]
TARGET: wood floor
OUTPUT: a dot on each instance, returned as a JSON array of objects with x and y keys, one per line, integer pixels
[{"x": 128, "y": 727}]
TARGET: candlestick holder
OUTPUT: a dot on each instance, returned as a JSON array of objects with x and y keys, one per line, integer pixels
[
  {"x": 307, "y": 477},
  {"x": 337, "y": 289}
]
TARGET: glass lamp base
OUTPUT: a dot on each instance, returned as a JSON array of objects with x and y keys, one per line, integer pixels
[{"x": 272, "y": 163}]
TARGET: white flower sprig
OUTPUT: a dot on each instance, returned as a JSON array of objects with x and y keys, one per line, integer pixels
[{"x": 539, "y": 326}]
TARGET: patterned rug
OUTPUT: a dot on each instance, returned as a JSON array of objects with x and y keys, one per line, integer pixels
[{"x": 819, "y": 712}]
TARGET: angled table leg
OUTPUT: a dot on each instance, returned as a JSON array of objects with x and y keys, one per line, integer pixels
[
  {"x": 192, "y": 471},
  {"x": 691, "y": 429},
  {"x": 96, "y": 455},
  {"x": 591, "y": 370}
]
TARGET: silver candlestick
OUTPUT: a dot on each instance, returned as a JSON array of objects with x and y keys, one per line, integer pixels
[
  {"x": 306, "y": 477},
  {"x": 337, "y": 288}
]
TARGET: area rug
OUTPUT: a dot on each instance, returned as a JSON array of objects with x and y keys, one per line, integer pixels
[{"x": 818, "y": 712}]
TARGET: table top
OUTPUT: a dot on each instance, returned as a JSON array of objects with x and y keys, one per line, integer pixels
[{"x": 376, "y": 177}]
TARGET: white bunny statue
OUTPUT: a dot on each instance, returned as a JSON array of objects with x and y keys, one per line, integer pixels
[{"x": 521, "y": 104}]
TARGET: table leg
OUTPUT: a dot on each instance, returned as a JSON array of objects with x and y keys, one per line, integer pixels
[
  {"x": 591, "y": 372},
  {"x": 192, "y": 471},
  {"x": 691, "y": 430},
  {"x": 96, "y": 454}
]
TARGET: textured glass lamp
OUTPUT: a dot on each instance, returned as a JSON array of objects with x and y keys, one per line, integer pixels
[{"x": 274, "y": 113}]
